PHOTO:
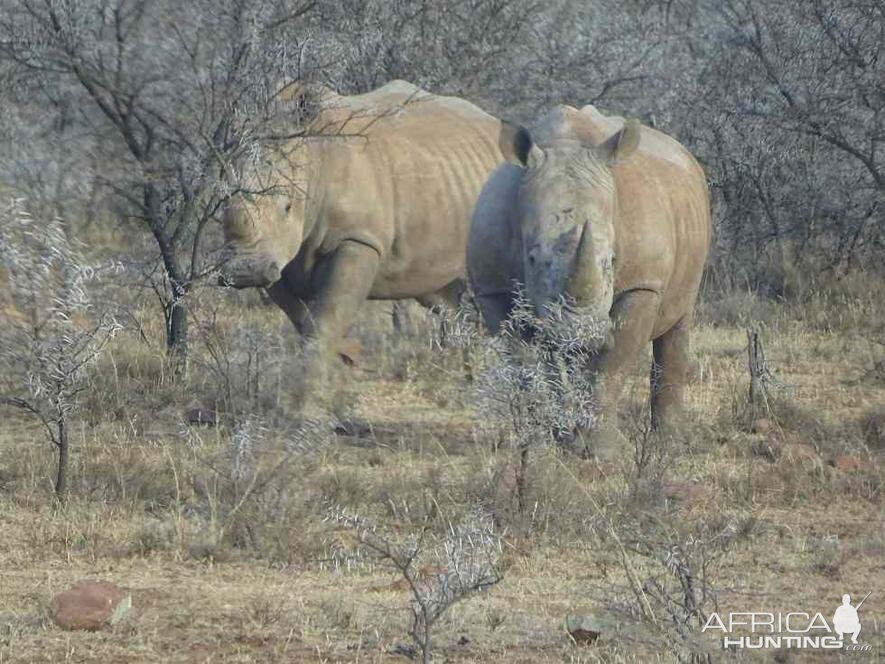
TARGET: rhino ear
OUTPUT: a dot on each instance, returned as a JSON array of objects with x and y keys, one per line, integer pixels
[
  {"x": 515, "y": 143},
  {"x": 622, "y": 144}
]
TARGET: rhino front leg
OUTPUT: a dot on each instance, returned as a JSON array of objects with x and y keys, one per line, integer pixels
[
  {"x": 633, "y": 316},
  {"x": 343, "y": 282},
  {"x": 668, "y": 373},
  {"x": 295, "y": 308},
  {"x": 495, "y": 309}
]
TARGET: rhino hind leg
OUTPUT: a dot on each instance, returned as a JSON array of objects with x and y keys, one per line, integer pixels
[
  {"x": 444, "y": 303},
  {"x": 447, "y": 297},
  {"x": 668, "y": 374}
]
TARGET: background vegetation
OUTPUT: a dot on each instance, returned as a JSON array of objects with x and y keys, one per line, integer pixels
[{"x": 246, "y": 535}]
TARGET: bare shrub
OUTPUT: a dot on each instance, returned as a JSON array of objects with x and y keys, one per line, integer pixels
[
  {"x": 55, "y": 332},
  {"x": 238, "y": 487},
  {"x": 465, "y": 561},
  {"x": 237, "y": 361},
  {"x": 826, "y": 555},
  {"x": 651, "y": 458},
  {"x": 670, "y": 567}
]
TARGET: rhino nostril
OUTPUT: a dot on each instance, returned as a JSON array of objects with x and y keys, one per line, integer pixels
[
  {"x": 272, "y": 273},
  {"x": 533, "y": 255}
]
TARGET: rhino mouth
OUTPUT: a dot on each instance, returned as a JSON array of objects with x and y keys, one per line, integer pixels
[
  {"x": 249, "y": 271},
  {"x": 570, "y": 325}
]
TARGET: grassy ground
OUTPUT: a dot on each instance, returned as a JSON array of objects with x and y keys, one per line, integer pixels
[{"x": 229, "y": 556}]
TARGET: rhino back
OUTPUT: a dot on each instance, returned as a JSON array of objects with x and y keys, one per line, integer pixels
[{"x": 406, "y": 185}]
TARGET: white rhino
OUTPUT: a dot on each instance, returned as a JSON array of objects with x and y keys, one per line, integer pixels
[
  {"x": 378, "y": 206},
  {"x": 612, "y": 215}
]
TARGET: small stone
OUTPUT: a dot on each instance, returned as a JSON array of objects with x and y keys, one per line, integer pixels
[
  {"x": 199, "y": 416},
  {"x": 353, "y": 429},
  {"x": 585, "y": 628},
  {"x": 404, "y": 650},
  {"x": 89, "y": 605}
]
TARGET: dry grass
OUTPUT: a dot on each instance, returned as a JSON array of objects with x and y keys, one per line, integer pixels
[{"x": 229, "y": 558}]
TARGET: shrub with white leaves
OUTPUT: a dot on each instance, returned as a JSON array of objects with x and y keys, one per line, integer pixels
[
  {"x": 52, "y": 331},
  {"x": 536, "y": 387}
]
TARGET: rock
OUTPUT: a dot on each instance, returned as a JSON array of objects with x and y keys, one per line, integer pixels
[
  {"x": 353, "y": 429},
  {"x": 404, "y": 650},
  {"x": 849, "y": 463},
  {"x": 89, "y": 605},
  {"x": 584, "y": 628},
  {"x": 201, "y": 417}
]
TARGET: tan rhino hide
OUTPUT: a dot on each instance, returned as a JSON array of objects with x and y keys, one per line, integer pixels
[
  {"x": 609, "y": 215},
  {"x": 376, "y": 204}
]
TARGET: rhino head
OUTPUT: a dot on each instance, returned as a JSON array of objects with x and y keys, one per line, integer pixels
[
  {"x": 565, "y": 210},
  {"x": 260, "y": 236},
  {"x": 263, "y": 223}
]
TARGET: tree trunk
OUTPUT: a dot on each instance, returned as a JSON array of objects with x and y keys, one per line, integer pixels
[
  {"x": 426, "y": 652},
  {"x": 175, "y": 309},
  {"x": 176, "y": 336},
  {"x": 756, "y": 365},
  {"x": 61, "y": 477}
]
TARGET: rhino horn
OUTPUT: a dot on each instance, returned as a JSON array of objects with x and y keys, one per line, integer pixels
[{"x": 591, "y": 282}]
